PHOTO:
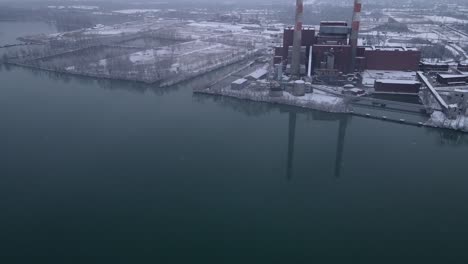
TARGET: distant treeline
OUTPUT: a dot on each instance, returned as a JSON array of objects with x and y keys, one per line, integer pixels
[{"x": 15, "y": 14}]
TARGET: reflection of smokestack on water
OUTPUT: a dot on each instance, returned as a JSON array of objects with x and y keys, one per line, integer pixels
[
  {"x": 355, "y": 32},
  {"x": 296, "y": 54}
]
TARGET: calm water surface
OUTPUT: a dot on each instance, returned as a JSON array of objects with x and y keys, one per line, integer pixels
[{"x": 133, "y": 174}]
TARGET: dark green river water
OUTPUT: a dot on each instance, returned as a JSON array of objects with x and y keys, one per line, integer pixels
[{"x": 116, "y": 172}]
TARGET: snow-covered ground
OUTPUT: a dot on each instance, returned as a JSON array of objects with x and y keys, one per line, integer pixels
[
  {"x": 128, "y": 28},
  {"x": 452, "y": 50},
  {"x": 439, "y": 119},
  {"x": 445, "y": 19},
  {"x": 137, "y": 11},
  {"x": 114, "y": 30},
  {"x": 199, "y": 50},
  {"x": 439, "y": 61},
  {"x": 407, "y": 18},
  {"x": 82, "y": 7},
  {"x": 426, "y": 35},
  {"x": 149, "y": 56},
  {"x": 317, "y": 100}
]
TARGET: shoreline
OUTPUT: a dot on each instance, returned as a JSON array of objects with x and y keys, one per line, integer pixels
[
  {"x": 317, "y": 107},
  {"x": 158, "y": 83},
  {"x": 338, "y": 107}
]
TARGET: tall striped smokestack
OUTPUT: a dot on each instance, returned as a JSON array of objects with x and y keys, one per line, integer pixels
[
  {"x": 355, "y": 32},
  {"x": 296, "y": 54}
]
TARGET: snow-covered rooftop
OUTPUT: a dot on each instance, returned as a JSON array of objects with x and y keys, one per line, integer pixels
[
  {"x": 370, "y": 76},
  {"x": 388, "y": 48},
  {"x": 240, "y": 81},
  {"x": 258, "y": 73},
  {"x": 389, "y": 81},
  {"x": 449, "y": 76}
]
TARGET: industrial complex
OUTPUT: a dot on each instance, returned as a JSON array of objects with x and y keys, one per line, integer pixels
[
  {"x": 402, "y": 65},
  {"x": 327, "y": 69}
]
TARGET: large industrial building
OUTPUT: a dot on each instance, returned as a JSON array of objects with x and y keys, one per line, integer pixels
[
  {"x": 325, "y": 69},
  {"x": 333, "y": 51}
]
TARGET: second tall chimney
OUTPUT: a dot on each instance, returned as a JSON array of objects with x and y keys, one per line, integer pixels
[
  {"x": 297, "y": 44},
  {"x": 355, "y": 33}
]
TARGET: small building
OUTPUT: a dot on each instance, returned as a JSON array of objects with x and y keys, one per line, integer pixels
[
  {"x": 463, "y": 67},
  {"x": 434, "y": 66},
  {"x": 452, "y": 79},
  {"x": 397, "y": 86},
  {"x": 239, "y": 84},
  {"x": 257, "y": 75}
]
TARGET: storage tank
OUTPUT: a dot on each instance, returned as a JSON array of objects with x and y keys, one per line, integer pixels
[{"x": 299, "y": 88}]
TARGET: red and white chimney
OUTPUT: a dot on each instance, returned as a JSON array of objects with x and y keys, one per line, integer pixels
[
  {"x": 297, "y": 42},
  {"x": 355, "y": 32}
]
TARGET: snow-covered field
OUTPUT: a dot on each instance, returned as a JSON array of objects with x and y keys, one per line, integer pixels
[
  {"x": 445, "y": 19},
  {"x": 408, "y": 18},
  {"x": 82, "y": 7},
  {"x": 116, "y": 29},
  {"x": 137, "y": 11}
]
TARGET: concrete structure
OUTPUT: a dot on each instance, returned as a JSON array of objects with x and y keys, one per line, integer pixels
[
  {"x": 341, "y": 53},
  {"x": 443, "y": 105},
  {"x": 333, "y": 33},
  {"x": 278, "y": 72},
  {"x": 299, "y": 88}
]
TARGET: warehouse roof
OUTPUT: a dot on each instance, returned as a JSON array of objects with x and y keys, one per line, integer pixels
[
  {"x": 239, "y": 81},
  {"x": 449, "y": 76},
  {"x": 389, "y": 81},
  {"x": 258, "y": 74}
]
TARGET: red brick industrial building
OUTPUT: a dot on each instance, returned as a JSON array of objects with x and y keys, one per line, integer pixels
[{"x": 333, "y": 40}]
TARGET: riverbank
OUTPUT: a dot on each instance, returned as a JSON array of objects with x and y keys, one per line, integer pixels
[
  {"x": 159, "y": 83},
  {"x": 331, "y": 103},
  {"x": 315, "y": 101}
]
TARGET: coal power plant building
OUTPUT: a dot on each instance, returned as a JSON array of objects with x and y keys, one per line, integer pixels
[
  {"x": 330, "y": 54},
  {"x": 391, "y": 58},
  {"x": 333, "y": 40}
]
